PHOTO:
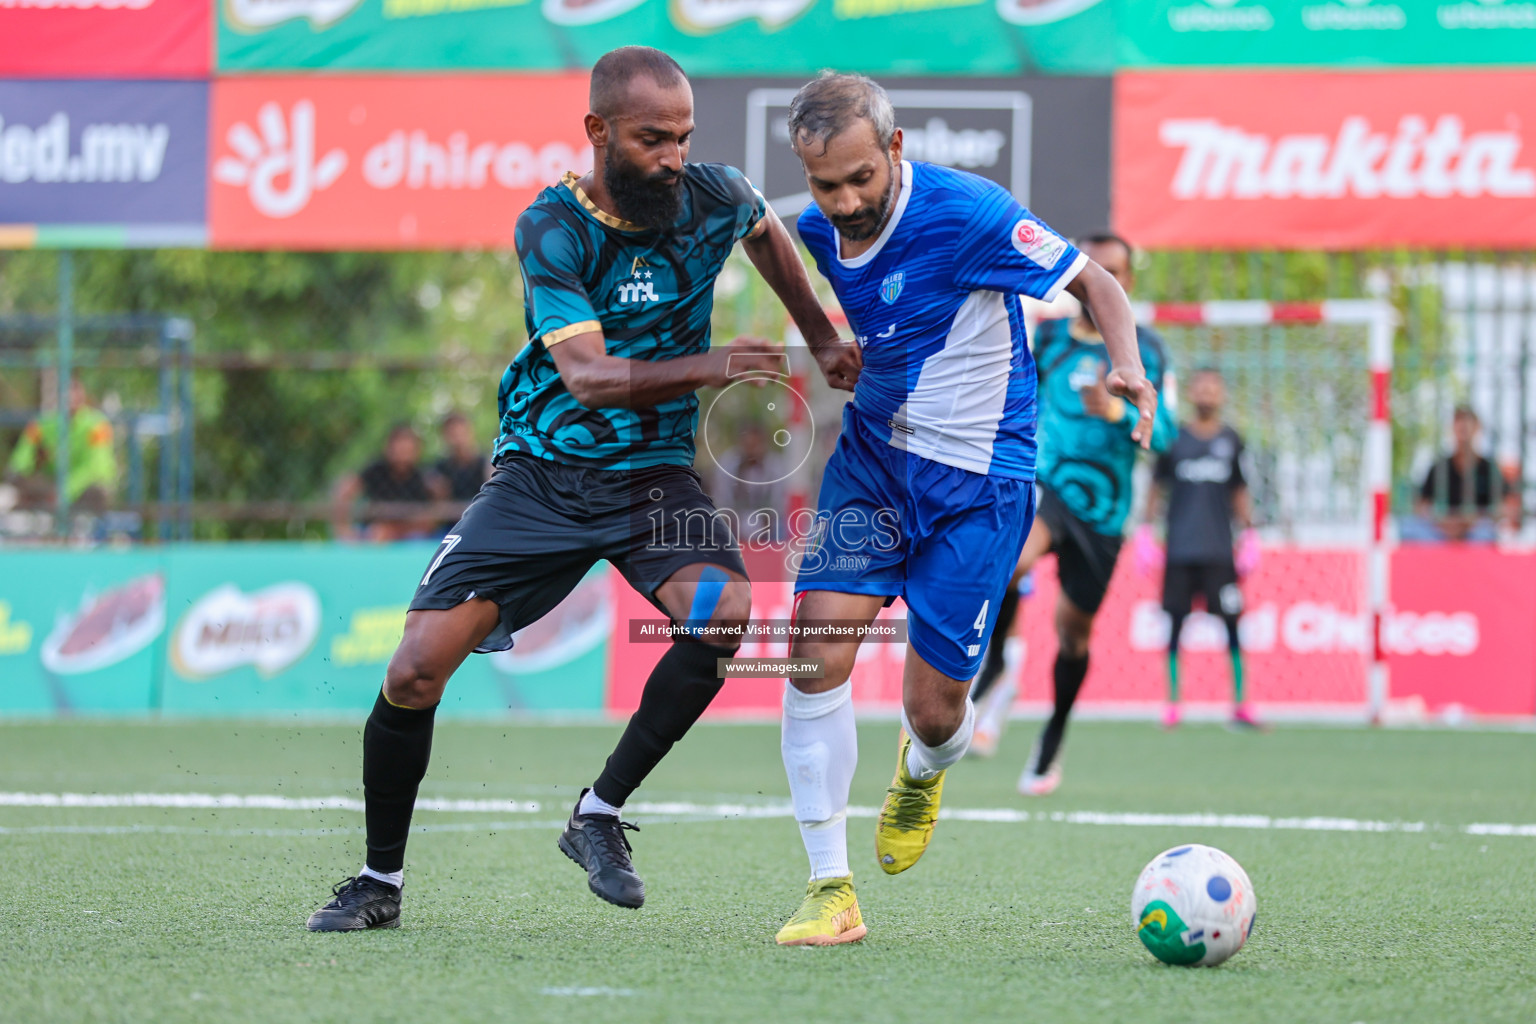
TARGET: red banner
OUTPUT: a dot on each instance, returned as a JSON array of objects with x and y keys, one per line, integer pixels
[
  {"x": 1326, "y": 160},
  {"x": 388, "y": 163},
  {"x": 105, "y": 38},
  {"x": 1304, "y": 633},
  {"x": 1460, "y": 634},
  {"x": 1459, "y": 637}
]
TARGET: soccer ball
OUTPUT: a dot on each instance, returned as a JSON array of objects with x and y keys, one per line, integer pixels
[{"x": 1193, "y": 906}]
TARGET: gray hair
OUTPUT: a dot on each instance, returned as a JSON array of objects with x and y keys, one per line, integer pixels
[{"x": 831, "y": 103}]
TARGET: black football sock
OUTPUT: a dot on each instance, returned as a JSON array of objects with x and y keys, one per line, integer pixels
[
  {"x": 992, "y": 668},
  {"x": 680, "y": 687},
  {"x": 397, "y": 743},
  {"x": 1067, "y": 675}
]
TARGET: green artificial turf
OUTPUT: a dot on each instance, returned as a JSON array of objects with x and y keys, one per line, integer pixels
[{"x": 197, "y": 915}]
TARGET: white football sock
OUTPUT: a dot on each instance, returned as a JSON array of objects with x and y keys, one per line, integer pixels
[
  {"x": 925, "y": 762},
  {"x": 821, "y": 749},
  {"x": 394, "y": 878},
  {"x": 591, "y": 803}
]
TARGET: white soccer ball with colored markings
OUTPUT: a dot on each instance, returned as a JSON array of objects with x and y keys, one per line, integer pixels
[{"x": 1193, "y": 906}]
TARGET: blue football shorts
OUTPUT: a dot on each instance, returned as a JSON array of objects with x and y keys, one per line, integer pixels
[{"x": 943, "y": 539}]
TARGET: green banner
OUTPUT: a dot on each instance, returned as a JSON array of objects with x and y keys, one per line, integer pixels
[
  {"x": 80, "y": 634},
  {"x": 708, "y": 37},
  {"x": 270, "y": 628},
  {"x": 1338, "y": 33}
]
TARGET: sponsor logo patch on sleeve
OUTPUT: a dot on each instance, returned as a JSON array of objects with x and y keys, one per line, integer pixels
[{"x": 1038, "y": 243}]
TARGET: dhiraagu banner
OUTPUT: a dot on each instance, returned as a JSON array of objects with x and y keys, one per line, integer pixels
[
  {"x": 1311, "y": 33},
  {"x": 708, "y": 37}
]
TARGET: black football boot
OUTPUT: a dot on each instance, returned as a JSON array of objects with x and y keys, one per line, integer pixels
[
  {"x": 597, "y": 843},
  {"x": 358, "y": 903}
]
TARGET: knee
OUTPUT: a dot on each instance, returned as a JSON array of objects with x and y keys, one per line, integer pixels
[
  {"x": 411, "y": 681},
  {"x": 726, "y": 621},
  {"x": 1073, "y": 640},
  {"x": 836, "y": 665},
  {"x": 934, "y": 721}
]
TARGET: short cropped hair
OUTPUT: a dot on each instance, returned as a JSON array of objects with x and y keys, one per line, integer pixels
[
  {"x": 831, "y": 103},
  {"x": 1466, "y": 412},
  {"x": 1105, "y": 236},
  {"x": 615, "y": 69}
]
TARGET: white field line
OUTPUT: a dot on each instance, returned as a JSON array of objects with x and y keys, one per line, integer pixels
[{"x": 682, "y": 810}]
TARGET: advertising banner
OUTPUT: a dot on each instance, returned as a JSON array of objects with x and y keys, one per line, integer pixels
[
  {"x": 312, "y": 627},
  {"x": 1460, "y": 632},
  {"x": 80, "y": 634},
  {"x": 110, "y": 163},
  {"x": 1326, "y": 160},
  {"x": 707, "y": 37},
  {"x": 1304, "y": 632},
  {"x": 388, "y": 163},
  {"x": 1368, "y": 33},
  {"x": 1458, "y": 637},
  {"x": 1044, "y": 139},
  {"x": 262, "y": 629},
  {"x": 105, "y": 38}
]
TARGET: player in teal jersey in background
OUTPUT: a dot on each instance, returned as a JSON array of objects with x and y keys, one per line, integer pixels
[{"x": 1087, "y": 457}]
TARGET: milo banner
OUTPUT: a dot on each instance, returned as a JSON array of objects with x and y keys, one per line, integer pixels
[
  {"x": 274, "y": 628},
  {"x": 708, "y": 37},
  {"x": 1364, "y": 33}
]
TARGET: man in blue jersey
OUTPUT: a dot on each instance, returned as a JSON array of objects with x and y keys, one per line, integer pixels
[
  {"x": 929, "y": 493},
  {"x": 594, "y": 461},
  {"x": 1090, "y": 441}
]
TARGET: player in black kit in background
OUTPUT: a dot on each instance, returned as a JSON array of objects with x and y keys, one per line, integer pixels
[{"x": 1202, "y": 475}]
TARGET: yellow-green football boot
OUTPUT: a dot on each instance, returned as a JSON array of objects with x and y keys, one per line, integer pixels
[
  {"x": 828, "y": 915},
  {"x": 907, "y": 817}
]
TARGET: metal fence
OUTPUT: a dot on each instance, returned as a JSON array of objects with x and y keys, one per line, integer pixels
[{"x": 227, "y": 427}]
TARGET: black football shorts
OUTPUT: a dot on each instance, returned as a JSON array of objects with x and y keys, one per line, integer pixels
[
  {"x": 1085, "y": 558},
  {"x": 538, "y": 526},
  {"x": 1215, "y": 581}
]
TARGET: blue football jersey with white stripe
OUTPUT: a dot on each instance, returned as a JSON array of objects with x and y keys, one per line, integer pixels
[{"x": 934, "y": 303}]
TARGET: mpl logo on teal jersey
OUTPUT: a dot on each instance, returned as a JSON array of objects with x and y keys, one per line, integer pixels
[{"x": 890, "y": 288}]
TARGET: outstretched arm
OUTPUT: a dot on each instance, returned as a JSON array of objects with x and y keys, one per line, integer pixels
[
  {"x": 600, "y": 381},
  {"x": 1104, "y": 301},
  {"x": 773, "y": 253}
]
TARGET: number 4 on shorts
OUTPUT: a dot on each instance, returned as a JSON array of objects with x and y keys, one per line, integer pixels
[{"x": 981, "y": 617}]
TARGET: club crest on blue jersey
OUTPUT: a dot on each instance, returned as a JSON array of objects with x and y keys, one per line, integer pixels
[{"x": 890, "y": 288}]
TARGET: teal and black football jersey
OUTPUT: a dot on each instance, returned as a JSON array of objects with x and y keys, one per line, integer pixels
[
  {"x": 650, "y": 292},
  {"x": 1086, "y": 461}
]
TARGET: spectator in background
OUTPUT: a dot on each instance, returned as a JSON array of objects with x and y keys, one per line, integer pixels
[
  {"x": 457, "y": 476},
  {"x": 752, "y": 479},
  {"x": 92, "y": 477},
  {"x": 389, "y": 487},
  {"x": 1456, "y": 500},
  {"x": 463, "y": 467}
]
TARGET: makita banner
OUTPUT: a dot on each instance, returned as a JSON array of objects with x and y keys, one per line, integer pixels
[
  {"x": 1366, "y": 33},
  {"x": 388, "y": 163},
  {"x": 1315, "y": 160},
  {"x": 1045, "y": 139},
  {"x": 105, "y": 38},
  {"x": 127, "y": 160}
]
